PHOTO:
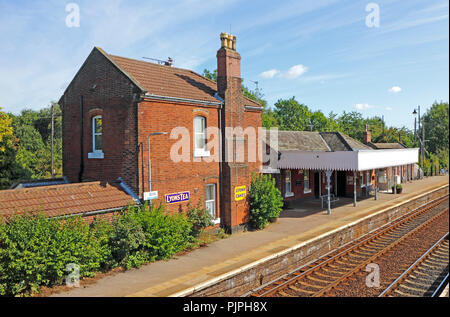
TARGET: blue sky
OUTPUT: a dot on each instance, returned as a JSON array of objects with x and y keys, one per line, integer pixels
[{"x": 322, "y": 52}]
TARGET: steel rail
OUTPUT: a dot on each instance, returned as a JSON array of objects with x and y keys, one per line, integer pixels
[
  {"x": 307, "y": 269},
  {"x": 360, "y": 266},
  {"x": 406, "y": 273}
]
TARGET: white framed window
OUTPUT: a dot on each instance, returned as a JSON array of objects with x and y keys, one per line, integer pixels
[
  {"x": 211, "y": 201},
  {"x": 97, "y": 138},
  {"x": 288, "y": 181},
  {"x": 200, "y": 137},
  {"x": 306, "y": 186}
]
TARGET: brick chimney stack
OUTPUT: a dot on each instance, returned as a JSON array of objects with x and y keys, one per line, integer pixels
[
  {"x": 228, "y": 65},
  {"x": 367, "y": 135},
  {"x": 234, "y": 214}
]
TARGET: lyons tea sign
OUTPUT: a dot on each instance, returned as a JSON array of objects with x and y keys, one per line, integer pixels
[{"x": 177, "y": 197}]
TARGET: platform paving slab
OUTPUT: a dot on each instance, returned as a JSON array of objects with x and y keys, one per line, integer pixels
[{"x": 296, "y": 225}]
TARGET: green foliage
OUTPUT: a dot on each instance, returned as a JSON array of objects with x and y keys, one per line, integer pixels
[
  {"x": 291, "y": 115},
  {"x": 34, "y": 250},
  {"x": 437, "y": 127},
  {"x": 200, "y": 218},
  {"x": 265, "y": 200}
]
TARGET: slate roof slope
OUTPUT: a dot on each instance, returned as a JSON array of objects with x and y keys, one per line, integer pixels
[
  {"x": 316, "y": 141},
  {"x": 300, "y": 141},
  {"x": 168, "y": 81},
  {"x": 65, "y": 199},
  {"x": 338, "y": 141}
]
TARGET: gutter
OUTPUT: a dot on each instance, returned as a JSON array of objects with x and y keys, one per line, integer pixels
[
  {"x": 176, "y": 99},
  {"x": 89, "y": 213}
]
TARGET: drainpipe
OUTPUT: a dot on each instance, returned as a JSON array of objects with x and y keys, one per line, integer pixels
[{"x": 80, "y": 173}]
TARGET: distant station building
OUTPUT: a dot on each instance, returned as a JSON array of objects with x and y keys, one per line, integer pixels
[{"x": 310, "y": 163}]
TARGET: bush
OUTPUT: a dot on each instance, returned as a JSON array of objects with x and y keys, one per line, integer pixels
[
  {"x": 200, "y": 218},
  {"x": 142, "y": 235},
  {"x": 265, "y": 200},
  {"x": 35, "y": 251}
]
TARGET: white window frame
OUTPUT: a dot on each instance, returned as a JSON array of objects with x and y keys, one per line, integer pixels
[
  {"x": 96, "y": 154},
  {"x": 288, "y": 175},
  {"x": 200, "y": 152},
  {"x": 306, "y": 190},
  {"x": 212, "y": 202}
]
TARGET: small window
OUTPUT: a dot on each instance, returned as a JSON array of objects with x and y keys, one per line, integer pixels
[
  {"x": 200, "y": 137},
  {"x": 288, "y": 182},
  {"x": 306, "y": 188},
  {"x": 97, "y": 134},
  {"x": 97, "y": 138},
  {"x": 211, "y": 200}
]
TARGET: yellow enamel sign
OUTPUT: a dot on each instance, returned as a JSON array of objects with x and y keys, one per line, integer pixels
[{"x": 240, "y": 193}]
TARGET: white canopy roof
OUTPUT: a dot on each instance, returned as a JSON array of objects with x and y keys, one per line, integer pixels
[{"x": 361, "y": 160}]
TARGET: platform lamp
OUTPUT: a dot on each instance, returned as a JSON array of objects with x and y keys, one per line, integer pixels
[
  {"x": 150, "y": 164},
  {"x": 421, "y": 140}
]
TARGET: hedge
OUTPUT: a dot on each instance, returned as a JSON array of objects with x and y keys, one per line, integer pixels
[{"x": 35, "y": 250}]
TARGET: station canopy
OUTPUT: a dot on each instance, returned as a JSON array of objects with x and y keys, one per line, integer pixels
[
  {"x": 334, "y": 151},
  {"x": 359, "y": 160}
]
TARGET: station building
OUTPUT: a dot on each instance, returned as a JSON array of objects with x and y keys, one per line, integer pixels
[
  {"x": 123, "y": 118},
  {"x": 130, "y": 120}
]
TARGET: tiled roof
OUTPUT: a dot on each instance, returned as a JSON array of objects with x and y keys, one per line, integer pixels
[
  {"x": 65, "y": 199},
  {"x": 380, "y": 146},
  {"x": 162, "y": 80}
]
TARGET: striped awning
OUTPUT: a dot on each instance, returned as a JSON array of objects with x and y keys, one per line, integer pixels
[{"x": 361, "y": 160}]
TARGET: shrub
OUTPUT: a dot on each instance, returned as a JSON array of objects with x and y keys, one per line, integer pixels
[
  {"x": 35, "y": 251},
  {"x": 265, "y": 200},
  {"x": 200, "y": 218}
]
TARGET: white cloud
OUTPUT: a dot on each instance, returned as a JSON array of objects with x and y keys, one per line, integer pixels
[
  {"x": 395, "y": 89},
  {"x": 269, "y": 74},
  {"x": 389, "y": 108},
  {"x": 295, "y": 71},
  {"x": 363, "y": 106}
]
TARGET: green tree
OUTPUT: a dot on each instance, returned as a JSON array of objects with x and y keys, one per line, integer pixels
[
  {"x": 10, "y": 170},
  {"x": 291, "y": 115},
  {"x": 436, "y": 127}
]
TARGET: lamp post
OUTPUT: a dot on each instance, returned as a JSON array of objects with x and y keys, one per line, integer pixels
[
  {"x": 150, "y": 163},
  {"x": 421, "y": 139}
]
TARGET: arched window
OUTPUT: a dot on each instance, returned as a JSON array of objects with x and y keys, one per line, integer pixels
[{"x": 97, "y": 138}]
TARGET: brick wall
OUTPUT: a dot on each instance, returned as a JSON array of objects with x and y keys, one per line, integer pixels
[
  {"x": 169, "y": 176},
  {"x": 113, "y": 98}
]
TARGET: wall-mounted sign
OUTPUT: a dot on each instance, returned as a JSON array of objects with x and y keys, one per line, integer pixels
[
  {"x": 349, "y": 180},
  {"x": 177, "y": 197},
  {"x": 240, "y": 192},
  {"x": 298, "y": 182},
  {"x": 150, "y": 195}
]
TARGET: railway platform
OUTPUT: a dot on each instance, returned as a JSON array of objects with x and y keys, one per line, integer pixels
[{"x": 183, "y": 275}]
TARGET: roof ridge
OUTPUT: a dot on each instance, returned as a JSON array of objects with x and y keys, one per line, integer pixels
[{"x": 17, "y": 190}]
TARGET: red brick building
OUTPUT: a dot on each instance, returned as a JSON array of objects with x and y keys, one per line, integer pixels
[{"x": 116, "y": 107}]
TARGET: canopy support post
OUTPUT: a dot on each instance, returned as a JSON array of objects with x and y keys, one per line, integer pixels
[
  {"x": 328, "y": 174},
  {"x": 354, "y": 189},
  {"x": 376, "y": 184}
]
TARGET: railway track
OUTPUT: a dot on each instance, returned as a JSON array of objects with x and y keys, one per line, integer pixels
[
  {"x": 425, "y": 277},
  {"x": 337, "y": 270}
]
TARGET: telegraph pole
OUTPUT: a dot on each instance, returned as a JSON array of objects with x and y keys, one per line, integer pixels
[{"x": 52, "y": 133}]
